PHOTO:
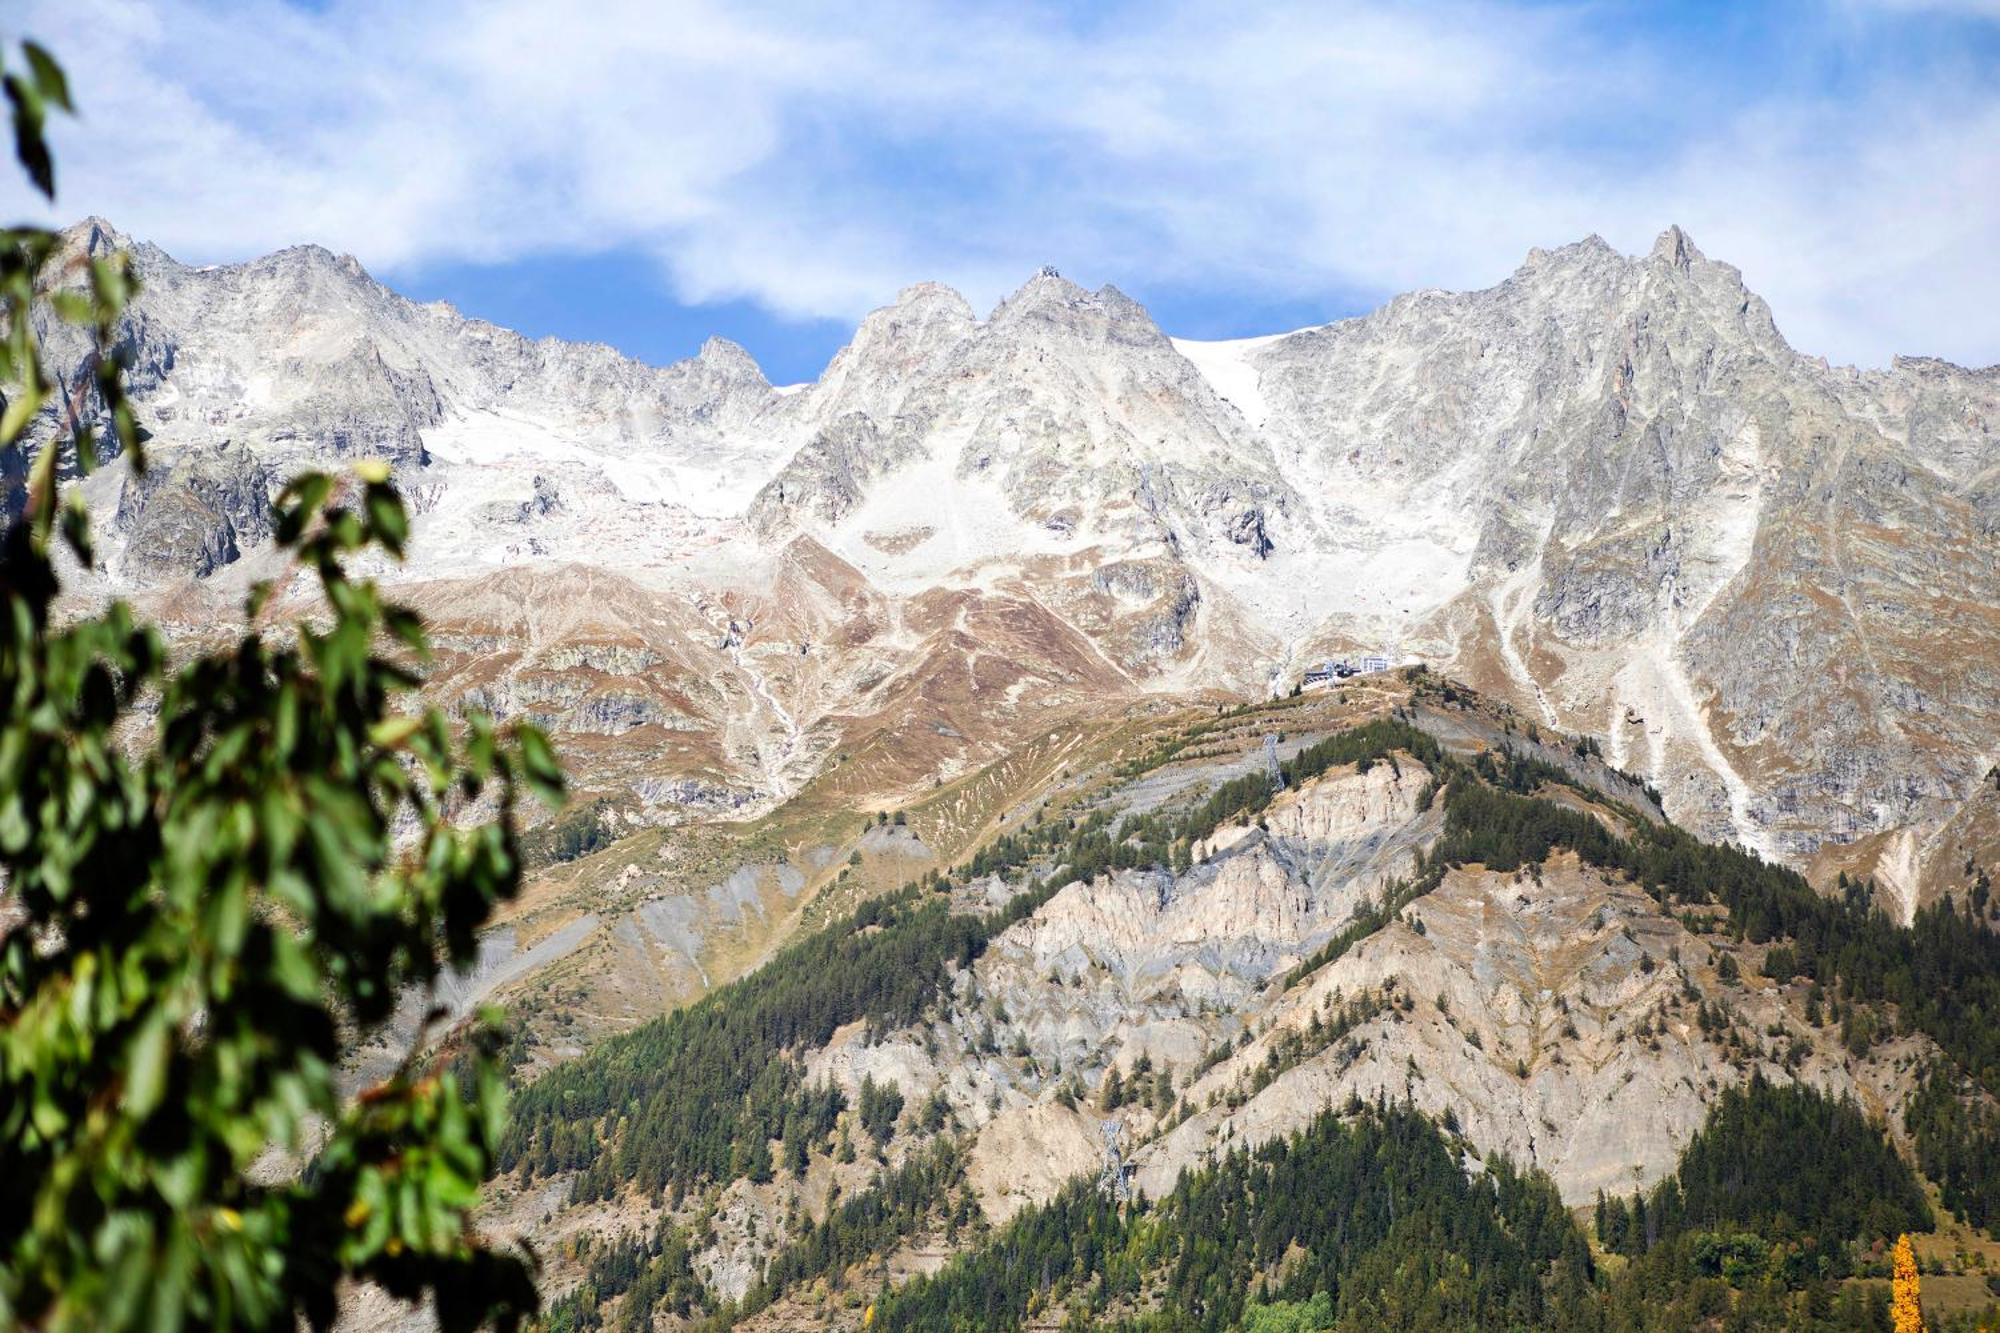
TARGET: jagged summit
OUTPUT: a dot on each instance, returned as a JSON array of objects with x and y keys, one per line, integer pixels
[
  {"x": 1591, "y": 248},
  {"x": 1044, "y": 287},
  {"x": 1052, "y": 300},
  {"x": 1674, "y": 247},
  {"x": 724, "y": 355},
  {"x": 933, "y": 295},
  {"x": 1603, "y": 488},
  {"x": 94, "y": 235}
]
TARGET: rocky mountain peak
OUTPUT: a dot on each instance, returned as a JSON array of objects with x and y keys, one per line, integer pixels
[
  {"x": 1044, "y": 289},
  {"x": 729, "y": 359},
  {"x": 94, "y": 237},
  {"x": 1592, "y": 249},
  {"x": 1573, "y": 488},
  {"x": 1677, "y": 249},
  {"x": 933, "y": 297},
  {"x": 895, "y": 347},
  {"x": 316, "y": 258},
  {"x": 1051, "y": 302}
]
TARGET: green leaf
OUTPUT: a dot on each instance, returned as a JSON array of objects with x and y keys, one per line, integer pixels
[
  {"x": 407, "y": 627},
  {"x": 73, "y": 306},
  {"x": 146, "y": 1065},
  {"x": 298, "y": 503},
  {"x": 386, "y": 515},
  {"x": 292, "y": 968},
  {"x": 49, "y": 77},
  {"x": 30, "y": 148},
  {"x": 539, "y": 767},
  {"x": 76, "y": 528},
  {"x": 111, "y": 282},
  {"x": 232, "y": 860},
  {"x": 391, "y": 732},
  {"x": 21, "y": 409}
]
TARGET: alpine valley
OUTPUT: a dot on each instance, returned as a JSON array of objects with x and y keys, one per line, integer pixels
[{"x": 979, "y": 909}]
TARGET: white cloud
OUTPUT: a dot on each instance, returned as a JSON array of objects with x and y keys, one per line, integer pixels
[{"x": 816, "y": 158}]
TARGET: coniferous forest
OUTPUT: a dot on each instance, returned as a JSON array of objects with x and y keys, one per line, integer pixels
[{"x": 1373, "y": 1218}]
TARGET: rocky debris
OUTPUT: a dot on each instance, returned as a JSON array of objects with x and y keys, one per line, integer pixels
[
  {"x": 1247, "y": 529},
  {"x": 547, "y": 500},
  {"x": 1059, "y": 1143},
  {"x": 1551, "y": 1015}
]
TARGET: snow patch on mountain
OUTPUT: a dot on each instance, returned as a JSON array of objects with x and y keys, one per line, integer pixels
[
  {"x": 935, "y": 525},
  {"x": 1605, "y": 487},
  {"x": 1230, "y": 370}
]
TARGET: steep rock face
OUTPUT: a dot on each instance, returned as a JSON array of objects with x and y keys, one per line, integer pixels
[
  {"x": 1552, "y": 1014},
  {"x": 303, "y": 359},
  {"x": 1528, "y": 995},
  {"x": 1685, "y": 537},
  {"x": 1605, "y": 489},
  {"x": 194, "y": 513},
  {"x": 1064, "y": 438}
]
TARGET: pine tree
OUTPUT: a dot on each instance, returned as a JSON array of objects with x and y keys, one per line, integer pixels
[{"x": 1113, "y": 1095}]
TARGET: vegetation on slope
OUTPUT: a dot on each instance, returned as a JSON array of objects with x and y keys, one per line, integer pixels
[
  {"x": 699, "y": 1095},
  {"x": 1368, "y": 1220},
  {"x": 1957, "y": 1135},
  {"x": 698, "y": 1098},
  {"x": 1373, "y": 1207},
  {"x": 1940, "y": 976},
  {"x": 1805, "y": 1173}
]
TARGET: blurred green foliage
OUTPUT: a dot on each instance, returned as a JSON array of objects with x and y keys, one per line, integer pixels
[{"x": 216, "y": 872}]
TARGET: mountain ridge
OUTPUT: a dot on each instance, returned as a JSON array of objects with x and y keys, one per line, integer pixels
[{"x": 1588, "y": 489}]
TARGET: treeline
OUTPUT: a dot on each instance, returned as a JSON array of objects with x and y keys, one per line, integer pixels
[
  {"x": 575, "y": 833},
  {"x": 631, "y": 1281},
  {"x": 1364, "y": 1221},
  {"x": 655, "y": 1275},
  {"x": 1805, "y": 1173},
  {"x": 1957, "y": 1135},
  {"x": 1502, "y": 834},
  {"x": 1773, "y": 1202},
  {"x": 698, "y": 1098},
  {"x": 1167, "y": 838},
  {"x": 1040, "y": 841},
  {"x": 1367, "y": 919},
  {"x": 1368, "y": 1220},
  {"x": 1373, "y": 1208},
  {"x": 927, "y": 1190},
  {"x": 699, "y": 1095}
]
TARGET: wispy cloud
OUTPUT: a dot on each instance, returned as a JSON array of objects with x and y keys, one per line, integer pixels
[{"x": 814, "y": 158}]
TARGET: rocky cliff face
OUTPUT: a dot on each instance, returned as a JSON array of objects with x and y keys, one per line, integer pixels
[
  {"x": 1552, "y": 1011},
  {"x": 1556, "y": 1013},
  {"x": 1605, "y": 489}
]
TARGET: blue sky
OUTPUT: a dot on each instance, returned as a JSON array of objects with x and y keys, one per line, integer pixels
[
  {"x": 622, "y": 297},
  {"x": 646, "y": 174}
]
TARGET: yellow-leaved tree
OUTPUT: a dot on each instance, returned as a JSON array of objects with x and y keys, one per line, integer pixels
[{"x": 1906, "y": 1307}]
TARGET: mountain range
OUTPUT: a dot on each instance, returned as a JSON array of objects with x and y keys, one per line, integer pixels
[
  {"x": 1605, "y": 490},
  {"x": 959, "y": 867}
]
